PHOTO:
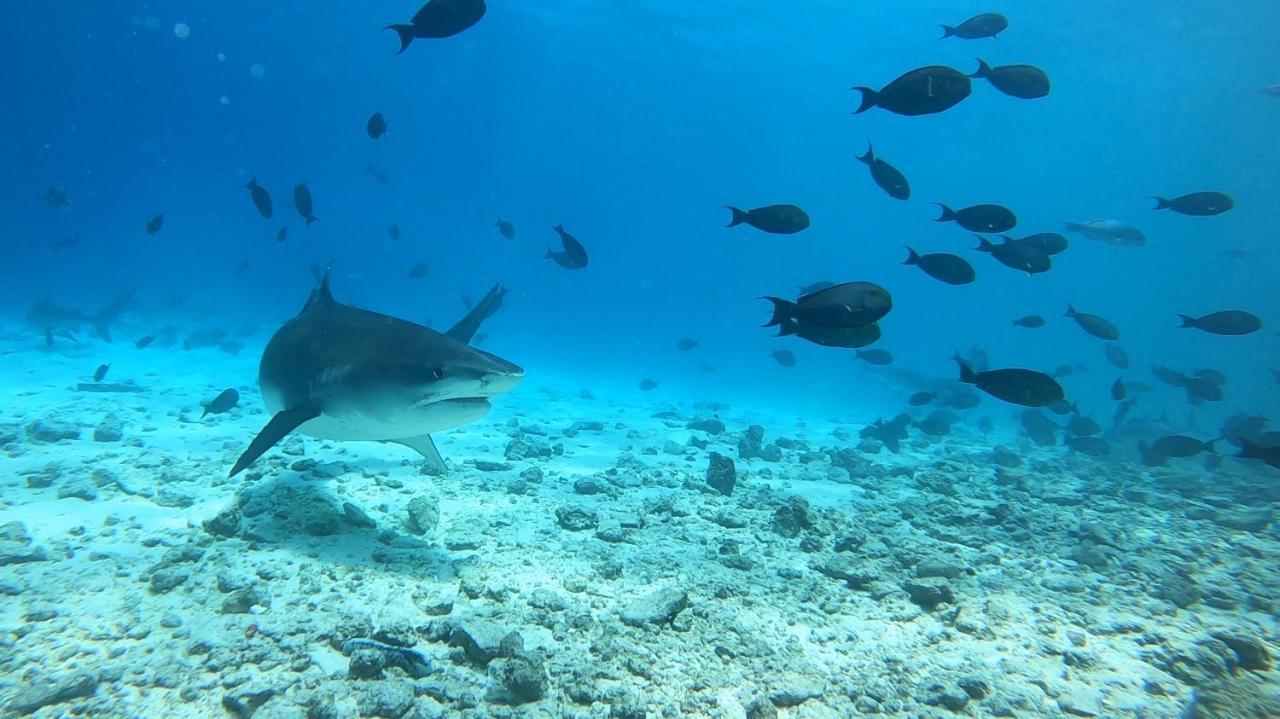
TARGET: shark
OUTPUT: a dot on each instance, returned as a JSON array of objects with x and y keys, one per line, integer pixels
[
  {"x": 340, "y": 372},
  {"x": 51, "y": 319}
]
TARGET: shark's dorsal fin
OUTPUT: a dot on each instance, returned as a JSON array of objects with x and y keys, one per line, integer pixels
[
  {"x": 466, "y": 327},
  {"x": 285, "y": 421},
  {"x": 321, "y": 296},
  {"x": 425, "y": 446}
]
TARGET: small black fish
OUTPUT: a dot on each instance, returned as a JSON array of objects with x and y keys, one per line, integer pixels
[
  {"x": 1016, "y": 256},
  {"x": 786, "y": 358},
  {"x": 934, "y": 427},
  {"x": 101, "y": 372},
  {"x": 505, "y": 228},
  {"x": 439, "y": 19},
  {"x": 56, "y": 198},
  {"x": 155, "y": 223},
  {"x": 394, "y": 232},
  {"x": 1064, "y": 370},
  {"x": 281, "y": 234},
  {"x": 418, "y": 271},
  {"x": 686, "y": 344},
  {"x": 67, "y": 241},
  {"x": 225, "y": 400},
  {"x": 376, "y": 126},
  {"x": 1017, "y": 386},
  {"x": 242, "y": 268},
  {"x": 1118, "y": 390},
  {"x": 1090, "y": 445},
  {"x": 923, "y": 91},
  {"x": 302, "y": 203},
  {"x": 143, "y": 342},
  {"x": 878, "y": 358},
  {"x": 574, "y": 256},
  {"x": 1226, "y": 322},
  {"x": 1213, "y": 375},
  {"x": 920, "y": 399},
  {"x": 774, "y": 219},
  {"x": 377, "y": 174},
  {"x": 647, "y": 384},
  {"x": 893, "y": 182},
  {"x": 988, "y": 24},
  {"x": 1179, "y": 446},
  {"x": 943, "y": 267},
  {"x": 1202, "y": 204},
  {"x": 1082, "y": 426},
  {"x": 1063, "y": 407},
  {"x": 1200, "y": 389},
  {"x": 846, "y": 337},
  {"x": 1023, "y": 81},
  {"x": 846, "y": 305},
  {"x": 1030, "y": 321},
  {"x": 1093, "y": 324},
  {"x": 980, "y": 218},
  {"x": 261, "y": 199},
  {"x": 1117, "y": 356}
]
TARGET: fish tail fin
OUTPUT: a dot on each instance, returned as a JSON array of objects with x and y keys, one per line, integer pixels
[
  {"x": 550, "y": 253},
  {"x": 913, "y": 258},
  {"x": 1071, "y": 311},
  {"x": 782, "y": 311},
  {"x": 967, "y": 374},
  {"x": 310, "y": 219},
  {"x": 252, "y": 183},
  {"x": 738, "y": 217},
  {"x": 948, "y": 214},
  {"x": 870, "y": 156},
  {"x": 984, "y": 245},
  {"x": 405, "y": 32},
  {"x": 870, "y": 98},
  {"x": 984, "y": 70},
  {"x": 947, "y": 31},
  {"x": 1187, "y": 320},
  {"x": 1161, "y": 203},
  {"x": 102, "y": 321}
]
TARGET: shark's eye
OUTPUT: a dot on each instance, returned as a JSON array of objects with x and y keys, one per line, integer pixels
[{"x": 438, "y": 373}]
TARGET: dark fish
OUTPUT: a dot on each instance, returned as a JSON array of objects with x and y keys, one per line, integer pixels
[
  {"x": 574, "y": 256},
  {"x": 923, "y": 91},
  {"x": 1118, "y": 391},
  {"x": 784, "y": 357},
  {"x": 101, "y": 372},
  {"x": 155, "y": 223},
  {"x": 1093, "y": 324},
  {"x": 1050, "y": 243},
  {"x": 505, "y": 228},
  {"x": 56, "y": 198},
  {"x": 302, "y": 202},
  {"x": 1023, "y": 258},
  {"x": 281, "y": 234},
  {"x": 846, "y": 337},
  {"x": 1200, "y": 389},
  {"x": 67, "y": 241},
  {"x": 439, "y": 19},
  {"x": 1025, "y": 81},
  {"x": 943, "y": 267},
  {"x": 377, "y": 174},
  {"x": 1117, "y": 356},
  {"x": 1197, "y": 203},
  {"x": 1082, "y": 426},
  {"x": 1039, "y": 428},
  {"x": 846, "y": 305},
  {"x": 1017, "y": 386},
  {"x": 261, "y": 199},
  {"x": 979, "y": 218},
  {"x": 1244, "y": 425},
  {"x": 1226, "y": 322},
  {"x": 418, "y": 271},
  {"x": 920, "y": 399},
  {"x": 1109, "y": 232},
  {"x": 988, "y": 24},
  {"x": 1269, "y": 455},
  {"x": 393, "y": 232},
  {"x": 686, "y": 344},
  {"x": 934, "y": 427},
  {"x": 1030, "y": 321},
  {"x": 878, "y": 358},
  {"x": 816, "y": 286},
  {"x": 893, "y": 182},
  {"x": 1063, "y": 407},
  {"x": 1090, "y": 445},
  {"x": 1270, "y": 90},
  {"x": 376, "y": 126},
  {"x": 647, "y": 384},
  {"x": 241, "y": 268},
  {"x": 963, "y": 399},
  {"x": 142, "y": 343},
  {"x": 1123, "y": 409},
  {"x": 774, "y": 219},
  {"x": 225, "y": 400},
  {"x": 1064, "y": 370},
  {"x": 1234, "y": 253},
  {"x": 1179, "y": 446},
  {"x": 1169, "y": 376},
  {"x": 1213, "y": 375}
]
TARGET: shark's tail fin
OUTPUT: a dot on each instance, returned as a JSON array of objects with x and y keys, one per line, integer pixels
[{"x": 103, "y": 320}]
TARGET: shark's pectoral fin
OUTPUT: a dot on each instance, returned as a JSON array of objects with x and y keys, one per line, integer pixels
[
  {"x": 425, "y": 446},
  {"x": 285, "y": 421}
]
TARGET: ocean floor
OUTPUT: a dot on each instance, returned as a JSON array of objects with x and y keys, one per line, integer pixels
[{"x": 576, "y": 561}]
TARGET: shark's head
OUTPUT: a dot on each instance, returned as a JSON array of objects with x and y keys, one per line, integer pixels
[{"x": 463, "y": 375}]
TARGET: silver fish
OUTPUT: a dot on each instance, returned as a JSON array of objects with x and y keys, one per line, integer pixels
[{"x": 1109, "y": 232}]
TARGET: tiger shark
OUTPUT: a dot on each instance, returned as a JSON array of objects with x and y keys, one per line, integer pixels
[{"x": 340, "y": 372}]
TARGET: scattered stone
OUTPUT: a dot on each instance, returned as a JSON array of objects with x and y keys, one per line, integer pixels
[
  {"x": 1004, "y": 457},
  {"x": 43, "y": 430},
  {"x": 174, "y": 497},
  {"x": 110, "y": 429},
  {"x": 1208, "y": 660},
  {"x": 945, "y": 568},
  {"x": 711, "y": 426},
  {"x": 527, "y": 447},
  {"x": 576, "y": 519},
  {"x": 792, "y": 518},
  {"x": 168, "y": 578},
  {"x": 242, "y": 601},
  {"x": 1244, "y": 696},
  {"x": 851, "y": 571},
  {"x": 721, "y": 474},
  {"x": 588, "y": 486},
  {"x": 485, "y": 465},
  {"x": 387, "y": 699},
  {"x": 55, "y": 690},
  {"x": 751, "y": 441},
  {"x": 1179, "y": 589},
  {"x": 945, "y": 695},
  {"x": 1245, "y": 519},
  {"x": 364, "y": 665},
  {"x": 424, "y": 514},
  {"x": 660, "y": 606},
  {"x": 356, "y": 517},
  {"x": 522, "y": 678},
  {"x": 78, "y": 489},
  {"x": 225, "y": 523},
  {"x": 20, "y": 553},
  {"x": 1251, "y": 652},
  {"x": 929, "y": 593},
  {"x": 244, "y": 702}
]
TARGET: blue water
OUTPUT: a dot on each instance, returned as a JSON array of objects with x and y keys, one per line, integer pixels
[{"x": 632, "y": 124}]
